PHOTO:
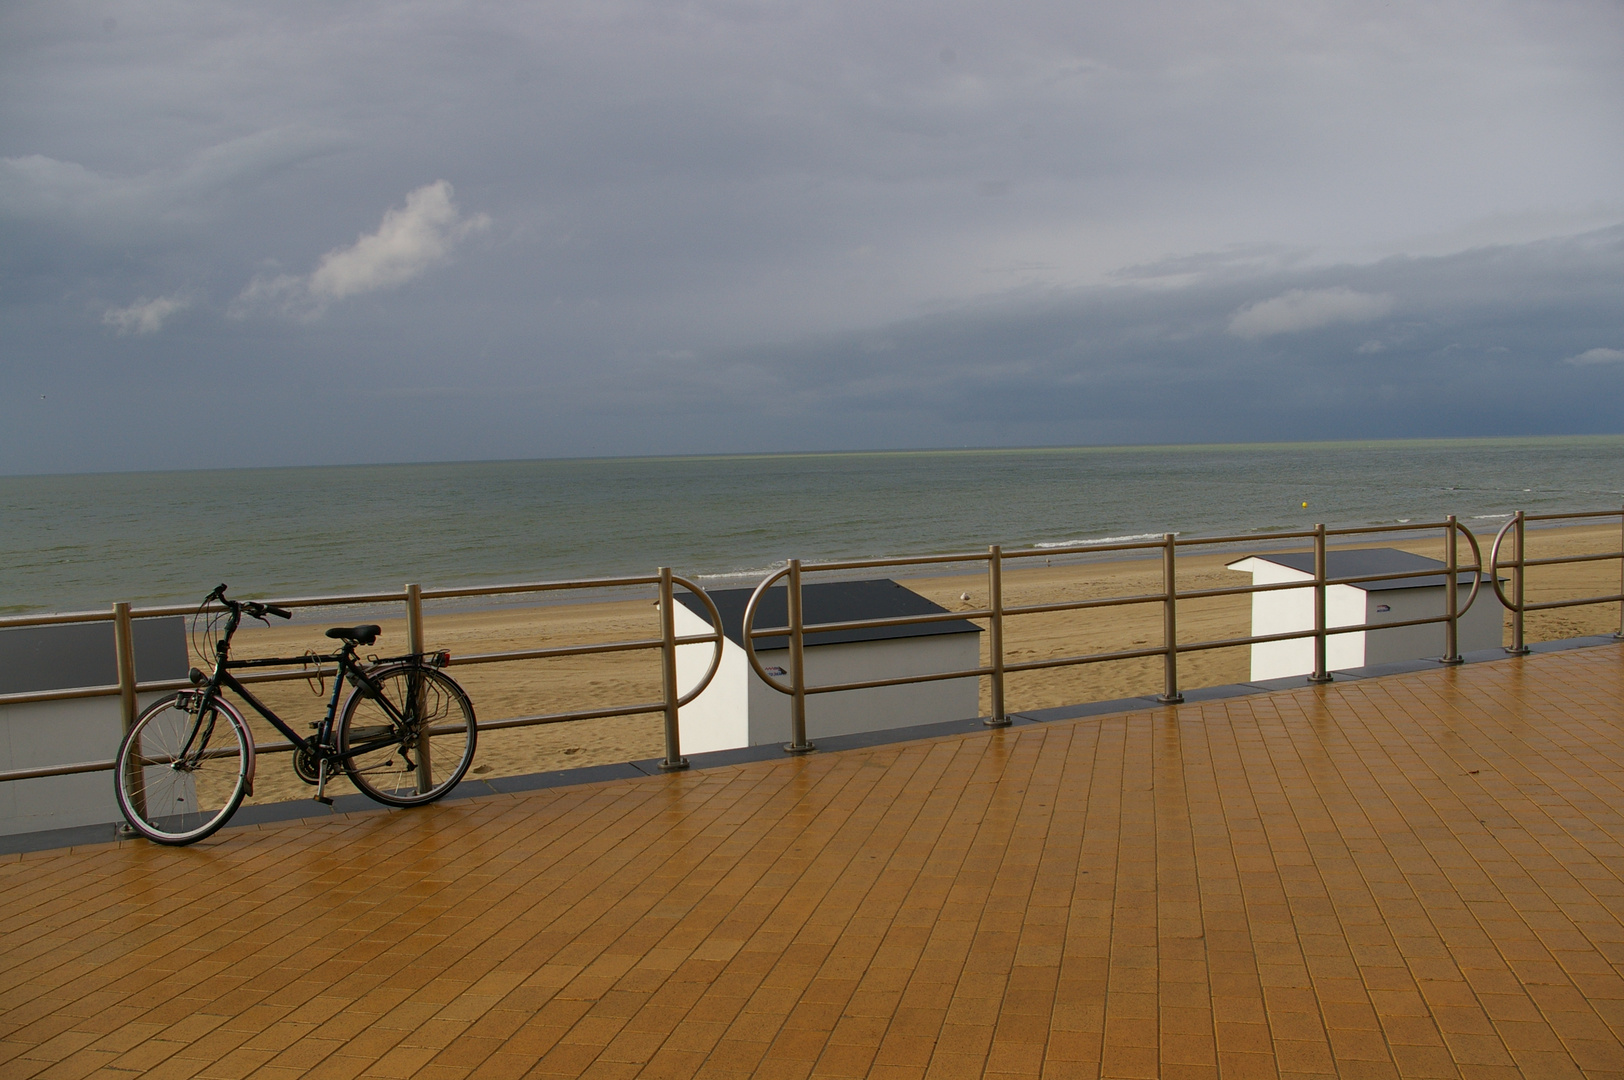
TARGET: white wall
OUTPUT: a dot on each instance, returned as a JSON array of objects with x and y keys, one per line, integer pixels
[
  {"x": 1293, "y": 609},
  {"x": 738, "y": 709},
  {"x": 719, "y": 719},
  {"x": 45, "y": 733}
]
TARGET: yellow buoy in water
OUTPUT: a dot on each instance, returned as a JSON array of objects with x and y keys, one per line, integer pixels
[{"x": 1305, "y": 506}]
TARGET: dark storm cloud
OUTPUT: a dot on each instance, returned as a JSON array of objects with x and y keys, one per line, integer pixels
[
  {"x": 1496, "y": 340},
  {"x": 461, "y": 230}
]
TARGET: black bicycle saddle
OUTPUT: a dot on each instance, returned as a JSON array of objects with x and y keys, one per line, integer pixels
[{"x": 360, "y": 635}]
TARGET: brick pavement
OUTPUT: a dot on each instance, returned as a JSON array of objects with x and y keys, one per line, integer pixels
[{"x": 1417, "y": 876}]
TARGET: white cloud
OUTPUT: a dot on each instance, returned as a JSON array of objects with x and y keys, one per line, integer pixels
[
  {"x": 1598, "y": 356},
  {"x": 144, "y": 316},
  {"x": 1307, "y": 309},
  {"x": 409, "y": 241}
]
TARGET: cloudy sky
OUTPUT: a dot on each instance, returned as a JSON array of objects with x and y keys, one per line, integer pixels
[{"x": 326, "y": 232}]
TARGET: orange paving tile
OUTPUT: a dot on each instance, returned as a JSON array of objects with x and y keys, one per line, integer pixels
[{"x": 1415, "y": 876}]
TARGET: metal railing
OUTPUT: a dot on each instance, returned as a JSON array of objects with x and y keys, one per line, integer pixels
[
  {"x": 997, "y": 612},
  {"x": 995, "y": 615},
  {"x": 412, "y": 596},
  {"x": 1517, "y": 602}
]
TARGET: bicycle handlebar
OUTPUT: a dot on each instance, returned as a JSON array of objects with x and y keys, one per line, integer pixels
[{"x": 248, "y": 607}]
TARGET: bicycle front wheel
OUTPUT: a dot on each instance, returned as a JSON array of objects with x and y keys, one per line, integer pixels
[
  {"x": 183, "y": 768},
  {"x": 410, "y": 742}
]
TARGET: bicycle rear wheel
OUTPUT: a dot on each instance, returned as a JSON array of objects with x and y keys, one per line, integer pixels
[
  {"x": 183, "y": 768},
  {"x": 411, "y": 742}
]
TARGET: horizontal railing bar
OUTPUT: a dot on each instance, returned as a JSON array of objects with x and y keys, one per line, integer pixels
[
  {"x": 1559, "y": 560},
  {"x": 161, "y": 685},
  {"x": 1548, "y": 604},
  {"x": 564, "y": 718},
  {"x": 56, "y": 770},
  {"x": 452, "y": 592},
  {"x": 55, "y": 618},
  {"x": 1295, "y": 635},
  {"x": 1258, "y": 639},
  {"x": 871, "y": 624},
  {"x": 557, "y": 650},
  {"x": 284, "y": 747},
  {"x": 1243, "y": 538},
  {"x": 1442, "y": 571},
  {"x": 1086, "y": 658},
  {"x": 29, "y": 697},
  {"x": 1362, "y": 530},
  {"x": 295, "y": 674},
  {"x": 1083, "y": 605},
  {"x": 1463, "y": 572},
  {"x": 901, "y": 680},
  {"x": 1243, "y": 590},
  {"x": 287, "y": 602},
  {"x": 1575, "y": 514},
  {"x": 897, "y": 560}
]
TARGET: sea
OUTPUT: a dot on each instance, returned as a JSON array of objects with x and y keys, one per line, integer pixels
[{"x": 83, "y": 541}]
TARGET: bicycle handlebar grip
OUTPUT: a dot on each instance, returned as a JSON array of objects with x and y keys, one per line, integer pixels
[{"x": 280, "y": 613}]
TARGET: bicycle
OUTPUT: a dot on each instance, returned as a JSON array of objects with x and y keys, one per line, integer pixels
[{"x": 188, "y": 760}]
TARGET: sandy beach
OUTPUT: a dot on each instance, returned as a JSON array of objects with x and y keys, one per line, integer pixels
[{"x": 532, "y": 687}]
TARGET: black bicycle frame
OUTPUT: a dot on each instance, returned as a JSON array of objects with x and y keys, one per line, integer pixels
[{"x": 347, "y": 670}]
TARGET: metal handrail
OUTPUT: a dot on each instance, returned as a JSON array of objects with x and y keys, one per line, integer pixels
[
  {"x": 996, "y": 612},
  {"x": 667, "y": 643},
  {"x": 796, "y": 629},
  {"x": 1517, "y": 603}
]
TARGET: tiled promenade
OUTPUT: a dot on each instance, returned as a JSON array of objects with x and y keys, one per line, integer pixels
[{"x": 1420, "y": 875}]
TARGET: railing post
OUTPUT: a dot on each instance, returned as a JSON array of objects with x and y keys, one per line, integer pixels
[
  {"x": 1452, "y": 602},
  {"x": 419, "y": 692},
  {"x": 414, "y": 619},
  {"x": 797, "y": 665},
  {"x": 995, "y": 630},
  {"x": 1170, "y": 621},
  {"x": 668, "y": 672},
  {"x": 1320, "y": 675},
  {"x": 1518, "y": 570},
  {"x": 124, "y": 652},
  {"x": 124, "y": 657}
]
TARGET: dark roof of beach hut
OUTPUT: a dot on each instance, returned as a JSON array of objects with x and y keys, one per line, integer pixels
[
  {"x": 829, "y": 602},
  {"x": 65, "y": 655},
  {"x": 1359, "y": 562}
]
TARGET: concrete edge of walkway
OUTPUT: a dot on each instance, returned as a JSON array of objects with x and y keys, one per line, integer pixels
[{"x": 300, "y": 809}]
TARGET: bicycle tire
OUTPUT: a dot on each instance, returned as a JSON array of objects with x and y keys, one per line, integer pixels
[
  {"x": 382, "y": 754},
  {"x": 171, "y": 798}
]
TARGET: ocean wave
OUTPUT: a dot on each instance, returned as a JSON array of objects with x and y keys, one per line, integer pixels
[
  {"x": 1490, "y": 517},
  {"x": 1136, "y": 537},
  {"x": 753, "y": 574}
]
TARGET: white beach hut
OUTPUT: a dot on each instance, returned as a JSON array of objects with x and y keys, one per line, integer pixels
[
  {"x": 1377, "y": 601},
  {"x": 38, "y": 734},
  {"x": 739, "y": 709}
]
